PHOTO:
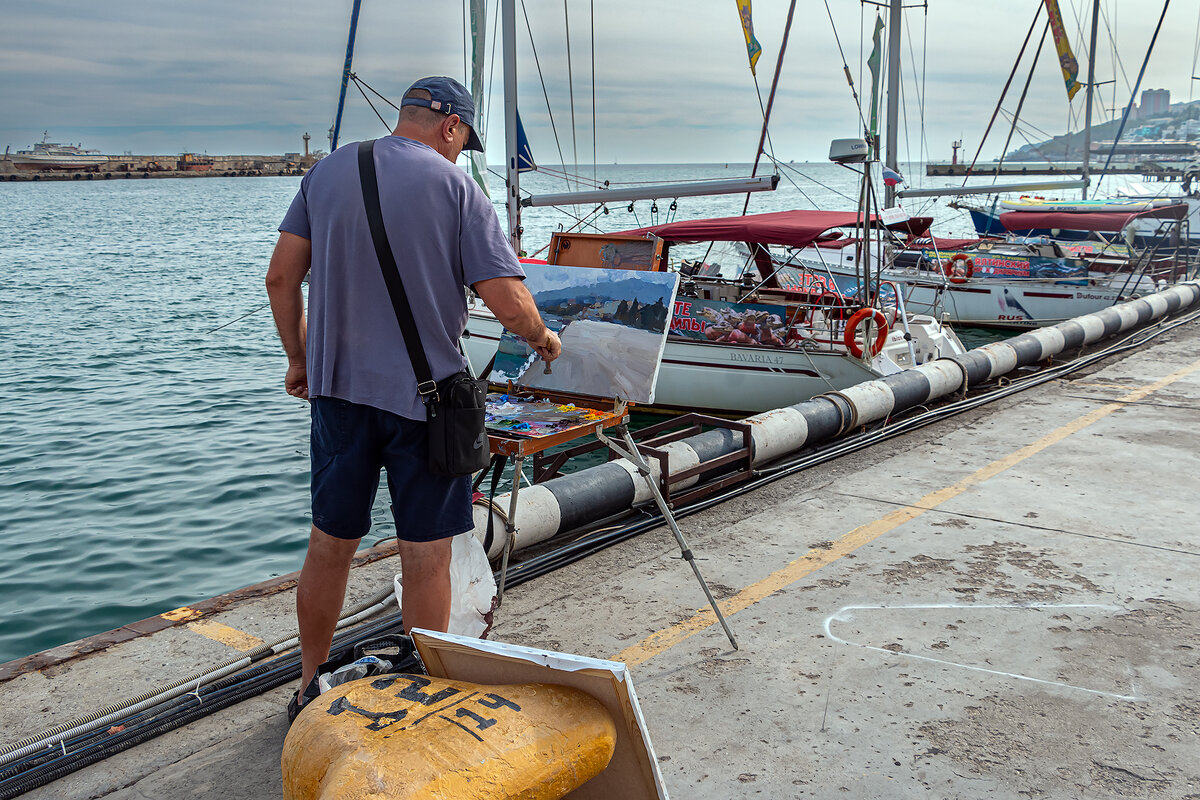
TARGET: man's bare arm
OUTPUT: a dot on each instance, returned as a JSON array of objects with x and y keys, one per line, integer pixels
[
  {"x": 285, "y": 276},
  {"x": 513, "y": 305}
]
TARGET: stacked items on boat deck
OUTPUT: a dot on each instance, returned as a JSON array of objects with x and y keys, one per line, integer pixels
[
  {"x": 1030, "y": 278},
  {"x": 745, "y": 336}
]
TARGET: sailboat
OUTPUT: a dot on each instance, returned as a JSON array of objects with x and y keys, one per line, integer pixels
[
  {"x": 1055, "y": 261},
  {"x": 770, "y": 344},
  {"x": 768, "y": 338}
]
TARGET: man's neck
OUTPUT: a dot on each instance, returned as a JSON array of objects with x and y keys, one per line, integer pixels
[
  {"x": 422, "y": 135},
  {"x": 416, "y": 134}
]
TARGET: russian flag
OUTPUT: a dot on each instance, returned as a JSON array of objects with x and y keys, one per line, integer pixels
[{"x": 891, "y": 177}]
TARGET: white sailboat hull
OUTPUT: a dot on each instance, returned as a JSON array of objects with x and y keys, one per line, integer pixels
[
  {"x": 1016, "y": 304},
  {"x": 994, "y": 302},
  {"x": 719, "y": 378}
]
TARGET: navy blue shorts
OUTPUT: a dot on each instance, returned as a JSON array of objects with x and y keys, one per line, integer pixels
[{"x": 350, "y": 443}]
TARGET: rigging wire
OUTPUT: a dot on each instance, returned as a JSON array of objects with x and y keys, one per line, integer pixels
[
  {"x": 846, "y": 67},
  {"x": 568, "y": 175},
  {"x": 1133, "y": 94},
  {"x": 1037, "y": 55},
  {"x": 904, "y": 112},
  {"x": 1004, "y": 92},
  {"x": 372, "y": 105},
  {"x": 790, "y": 180},
  {"x": 1029, "y": 141},
  {"x": 592, "y": 29},
  {"x": 1115, "y": 54},
  {"x": 1195, "y": 55},
  {"x": 545, "y": 92},
  {"x": 239, "y": 319},
  {"x": 492, "y": 63},
  {"x": 862, "y": 50},
  {"x": 1029, "y": 126},
  {"x": 571, "y": 91},
  {"x": 919, "y": 89},
  {"x": 794, "y": 169},
  {"x": 787, "y": 29},
  {"x": 579, "y": 223},
  {"x": 924, "y": 73},
  {"x": 357, "y": 79}
]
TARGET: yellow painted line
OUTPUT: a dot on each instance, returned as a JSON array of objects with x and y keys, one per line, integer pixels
[
  {"x": 181, "y": 614},
  {"x": 231, "y": 637},
  {"x": 663, "y": 640}
]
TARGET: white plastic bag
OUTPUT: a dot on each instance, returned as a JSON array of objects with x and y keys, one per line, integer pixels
[{"x": 472, "y": 588}]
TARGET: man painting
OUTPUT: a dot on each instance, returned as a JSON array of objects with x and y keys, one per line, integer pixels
[{"x": 348, "y": 356}]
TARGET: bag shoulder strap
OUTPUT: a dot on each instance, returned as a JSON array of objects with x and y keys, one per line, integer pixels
[{"x": 426, "y": 386}]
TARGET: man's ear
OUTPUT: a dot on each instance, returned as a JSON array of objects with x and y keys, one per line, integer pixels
[{"x": 449, "y": 125}]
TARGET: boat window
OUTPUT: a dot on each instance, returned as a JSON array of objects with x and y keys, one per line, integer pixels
[{"x": 724, "y": 260}]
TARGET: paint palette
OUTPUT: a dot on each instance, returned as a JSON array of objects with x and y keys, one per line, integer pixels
[{"x": 529, "y": 417}]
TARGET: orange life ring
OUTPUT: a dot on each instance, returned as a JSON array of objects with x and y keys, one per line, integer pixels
[
  {"x": 850, "y": 339},
  {"x": 958, "y": 268}
]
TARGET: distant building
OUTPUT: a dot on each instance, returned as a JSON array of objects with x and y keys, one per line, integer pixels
[{"x": 1154, "y": 101}]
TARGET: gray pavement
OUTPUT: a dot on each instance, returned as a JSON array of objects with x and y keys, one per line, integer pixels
[{"x": 1002, "y": 605}]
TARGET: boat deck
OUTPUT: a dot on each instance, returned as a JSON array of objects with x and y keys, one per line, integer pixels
[{"x": 1001, "y": 605}]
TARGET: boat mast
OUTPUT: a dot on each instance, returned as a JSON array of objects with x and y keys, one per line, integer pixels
[
  {"x": 1087, "y": 115},
  {"x": 513, "y": 202},
  {"x": 337, "y": 121},
  {"x": 893, "y": 98},
  {"x": 512, "y": 181}
]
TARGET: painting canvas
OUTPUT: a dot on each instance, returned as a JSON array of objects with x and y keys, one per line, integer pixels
[{"x": 613, "y": 324}]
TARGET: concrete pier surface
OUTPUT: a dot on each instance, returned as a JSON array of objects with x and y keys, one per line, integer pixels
[{"x": 1000, "y": 605}]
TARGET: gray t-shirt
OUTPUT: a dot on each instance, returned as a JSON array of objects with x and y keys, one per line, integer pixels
[{"x": 445, "y": 236}]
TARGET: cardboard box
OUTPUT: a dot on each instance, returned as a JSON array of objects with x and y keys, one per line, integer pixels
[{"x": 632, "y": 774}]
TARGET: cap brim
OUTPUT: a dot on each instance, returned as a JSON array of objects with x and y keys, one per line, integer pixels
[{"x": 473, "y": 142}]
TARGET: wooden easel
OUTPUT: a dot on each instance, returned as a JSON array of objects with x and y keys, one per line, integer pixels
[
  {"x": 518, "y": 448},
  {"x": 615, "y": 421}
]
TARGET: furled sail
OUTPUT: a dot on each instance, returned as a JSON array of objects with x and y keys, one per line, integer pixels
[{"x": 525, "y": 162}]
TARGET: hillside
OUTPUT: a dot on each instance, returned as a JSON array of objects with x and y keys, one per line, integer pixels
[{"x": 1069, "y": 147}]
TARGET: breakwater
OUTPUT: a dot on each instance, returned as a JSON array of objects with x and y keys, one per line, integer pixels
[{"x": 186, "y": 165}]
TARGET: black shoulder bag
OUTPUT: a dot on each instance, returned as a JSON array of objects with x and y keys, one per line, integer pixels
[{"x": 454, "y": 407}]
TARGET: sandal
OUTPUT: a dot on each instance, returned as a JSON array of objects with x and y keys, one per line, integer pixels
[
  {"x": 397, "y": 648},
  {"x": 294, "y": 707}
]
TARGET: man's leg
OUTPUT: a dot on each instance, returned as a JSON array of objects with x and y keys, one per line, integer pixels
[
  {"x": 426, "y": 596},
  {"x": 320, "y": 595}
]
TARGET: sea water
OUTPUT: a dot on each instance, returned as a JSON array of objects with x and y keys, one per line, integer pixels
[{"x": 149, "y": 457}]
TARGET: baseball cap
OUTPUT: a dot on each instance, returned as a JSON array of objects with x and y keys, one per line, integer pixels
[{"x": 447, "y": 96}]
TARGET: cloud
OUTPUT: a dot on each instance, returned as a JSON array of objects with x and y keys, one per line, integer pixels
[{"x": 671, "y": 79}]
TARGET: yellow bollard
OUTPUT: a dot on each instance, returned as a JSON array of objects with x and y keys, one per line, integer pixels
[{"x": 411, "y": 737}]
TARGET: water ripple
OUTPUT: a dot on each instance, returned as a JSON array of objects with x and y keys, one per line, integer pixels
[{"x": 147, "y": 463}]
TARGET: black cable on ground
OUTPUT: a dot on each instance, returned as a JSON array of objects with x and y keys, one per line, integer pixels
[
  {"x": 587, "y": 545},
  {"x": 230, "y": 690},
  {"x": 42, "y": 768}
]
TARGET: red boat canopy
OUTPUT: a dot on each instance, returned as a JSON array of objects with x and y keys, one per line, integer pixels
[
  {"x": 1101, "y": 221},
  {"x": 790, "y": 228}
]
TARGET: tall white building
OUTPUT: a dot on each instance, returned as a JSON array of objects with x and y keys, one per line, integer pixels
[{"x": 1154, "y": 101}]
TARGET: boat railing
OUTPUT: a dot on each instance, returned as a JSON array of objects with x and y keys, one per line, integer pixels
[{"x": 769, "y": 317}]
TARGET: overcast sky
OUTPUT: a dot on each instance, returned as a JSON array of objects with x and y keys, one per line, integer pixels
[{"x": 671, "y": 77}]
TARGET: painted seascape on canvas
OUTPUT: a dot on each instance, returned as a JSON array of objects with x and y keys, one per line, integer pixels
[{"x": 613, "y": 324}]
